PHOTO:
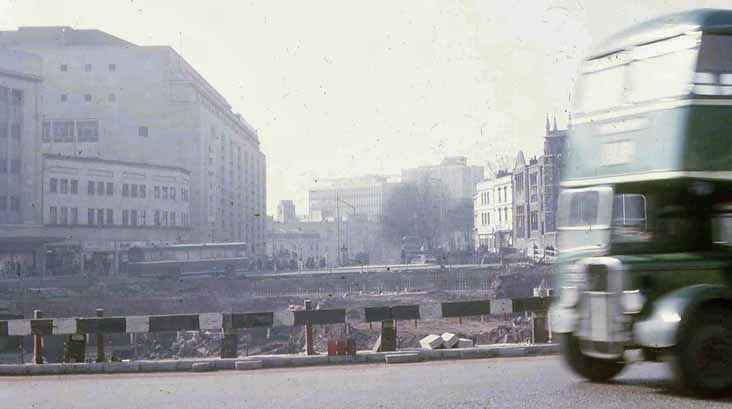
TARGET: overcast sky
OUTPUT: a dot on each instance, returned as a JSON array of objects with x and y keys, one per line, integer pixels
[{"x": 344, "y": 88}]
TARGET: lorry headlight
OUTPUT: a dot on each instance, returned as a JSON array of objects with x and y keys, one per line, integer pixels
[
  {"x": 632, "y": 301},
  {"x": 670, "y": 316},
  {"x": 568, "y": 297}
]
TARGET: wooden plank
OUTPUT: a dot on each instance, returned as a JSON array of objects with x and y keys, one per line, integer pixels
[
  {"x": 466, "y": 308},
  {"x": 320, "y": 317}
]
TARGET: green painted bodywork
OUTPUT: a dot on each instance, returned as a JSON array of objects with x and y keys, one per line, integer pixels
[
  {"x": 660, "y": 274},
  {"x": 662, "y": 145}
]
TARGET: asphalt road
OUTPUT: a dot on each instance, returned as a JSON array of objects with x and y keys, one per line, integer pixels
[{"x": 496, "y": 383}]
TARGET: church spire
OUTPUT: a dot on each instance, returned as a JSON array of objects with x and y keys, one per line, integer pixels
[
  {"x": 555, "y": 123},
  {"x": 547, "y": 123}
]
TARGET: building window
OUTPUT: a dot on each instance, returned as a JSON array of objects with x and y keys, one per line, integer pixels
[
  {"x": 63, "y": 68},
  {"x": 110, "y": 189},
  {"x": 53, "y": 216},
  {"x": 520, "y": 221},
  {"x": 74, "y": 186},
  {"x": 165, "y": 192},
  {"x": 3, "y": 129},
  {"x": 100, "y": 216},
  {"x": 112, "y": 67},
  {"x": 53, "y": 185},
  {"x": 3, "y": 165},
  {"x": 14, "y": 166},
  {"x": 133, "y": 215},
  {"x": 90, "y": 217},
  {"x": 519, "y": 182},
  {"x": 534, "y": 221},
  {"x": 142, "y": 131},
  {"x": 125, "y": 190},
  {"x": 157, "y": 218},
  {"x": 64, "y": 97},
  {"x": 64, "y": 186},
  {"x": 15, "y": 130},
  {"x": 157, "y": 192},
  {"x": 74, "y": 215},
  {"x": 87, "y": 131},
  {"x": 87, "y": 67},
  {"x": 45, "y": 131},
  {"x": 534, "y": 188},
  {"x": 100, "y": 188},
  {"x": 143, "y": 193},
  {"x": 125, "y": 217},
  {"x": 90, "y": 187},
  {"x": 184, "y": 194},
  {"x": 63, "y": 131},
  {"x": 17, "y": 97},
  {"x": 143, "y": 217},
  {"x": 172, "y": 193},
  {"x": 165, "y": 218},
  {"x": 133, "y": 192},
  {"x": 3, "y": 203},
  {"x": 64, "y": 215},
  {"x": 172, "y": 218},
  {"x": 87, "y": 97},
  {"x": 14, "y": 203}
]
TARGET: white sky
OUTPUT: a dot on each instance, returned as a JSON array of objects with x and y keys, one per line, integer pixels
[{"x": 344, "y": 88}]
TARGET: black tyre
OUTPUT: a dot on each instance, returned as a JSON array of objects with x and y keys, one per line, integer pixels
[
  {"x": 702, "y": 363},
  {"x": 590, "y": 368}
]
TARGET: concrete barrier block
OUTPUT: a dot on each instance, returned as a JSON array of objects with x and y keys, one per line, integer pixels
[
  {"x": 159, "y": 366},
  {"x": 223, "y": 364},
  {"x": 465, "y": 343},
  {"x": 83, "y": 368},
  {"x": 431, "y": 342},
  {"x": 121, "y": 367},
  {"x": 449, "y": 340},
  {"x": 248, "y": 365},
  {"x": 375, "y": 357},
  {"x": 470, "y": 353},
  {"x": 546, "y": 349},
  {"x": 451, "y": 354},
  {"x": 343, "y": 359},
  {"x": 202, "y": 367},
  {"x": 509, "y": 352},
  {"x": 46, "y": 369},
  {"x": 12, "y": 370},
  {"x": 278, "y": 362},
  {"x": 184, "y": 365},
  {"x": 402, "y": 358}
]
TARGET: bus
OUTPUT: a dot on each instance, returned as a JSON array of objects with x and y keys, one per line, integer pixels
[
  {"x": 645, "y": 212},
  {"x": 224, "y": 259}
]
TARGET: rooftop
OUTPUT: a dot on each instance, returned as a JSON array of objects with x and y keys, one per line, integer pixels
[{"x": 706, "y": 20}]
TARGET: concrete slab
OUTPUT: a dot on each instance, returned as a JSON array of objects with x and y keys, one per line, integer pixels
[
  {"x": 121, "y": 367},
  {"x": 223, "y": 364},
  {"x": 464, "y": 343},
  {"x": 431, "y": 341},
  {"x": 512, "y": 352},
  {"x": 451, "y": 354},
  {"x": 202, "y": 367},
  {"x": 248, "y": 365},
  {"x": 159, "y": 366},
  {"x": 343, "y": 359},
  {"x": 45, "y": 369},
  {"x": 449, "y": 339},
  {"x": 402, "y": 358}
]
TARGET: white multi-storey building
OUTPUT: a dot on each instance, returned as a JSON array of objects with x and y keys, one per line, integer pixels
[
  {"x": 363, "y": 196},
  {"x": 104, "y": 97},
  {"x": 493, "y": 208}
]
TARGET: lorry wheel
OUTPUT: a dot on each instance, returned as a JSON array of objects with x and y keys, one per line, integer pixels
[
  {"x": 702, "y": 361},
  {"x": 592, "y": 369}
]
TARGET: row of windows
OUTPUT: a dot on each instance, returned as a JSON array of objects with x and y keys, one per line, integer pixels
[
  {"x": 521, "y": 222},
  {"x": 11, "y": 95},
  {"x": 111, "y": 97},
  {"x": 56, "y": 185},
  {"x": 70, "y": 131},
  {"x": 11, "y": 203},
  {"x": 102, "y": 217},
  {"x": 485, "y": 217},
  {"x": 11, "y": 166},
  {"x": 12, "y": 129},
  {"x": 87, "y": 67},
  {"x": 502, "y": 192}
]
